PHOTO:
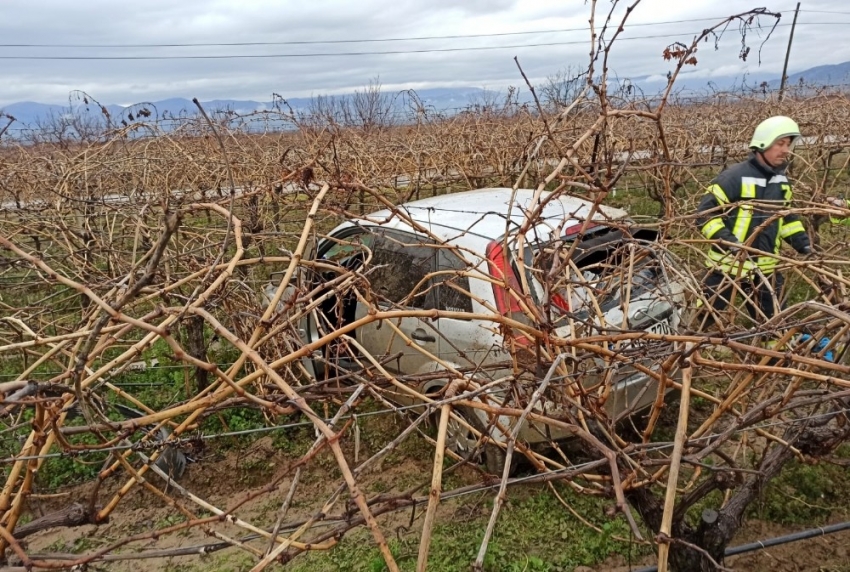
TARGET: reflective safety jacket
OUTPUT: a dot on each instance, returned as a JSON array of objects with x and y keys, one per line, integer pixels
[{"x": 743, "y": 205}]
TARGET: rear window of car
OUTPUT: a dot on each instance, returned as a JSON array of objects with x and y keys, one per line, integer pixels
[{"x": 593, "y": 272}]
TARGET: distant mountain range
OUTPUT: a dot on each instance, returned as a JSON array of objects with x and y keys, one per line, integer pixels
[
  {"x": 30, "y": 115},
  {"x": 835, "y": 74}
]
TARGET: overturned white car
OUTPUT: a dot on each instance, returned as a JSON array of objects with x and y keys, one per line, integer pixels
[{"x": 464, "y": 286}]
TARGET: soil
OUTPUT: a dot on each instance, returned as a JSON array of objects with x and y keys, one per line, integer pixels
[
  {"x": 225, "y": 480},
  {"x": 224, "y": 483},
  {"x": 820, "y": 554}
]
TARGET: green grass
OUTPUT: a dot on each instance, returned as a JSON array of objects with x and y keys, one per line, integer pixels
[
  {"x": 534, "y": 533},
  {"x": 806, "y": 494}
]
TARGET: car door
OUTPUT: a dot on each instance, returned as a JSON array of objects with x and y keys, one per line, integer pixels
[
  {"x": 465, "y": 342},
  {"x": 343, "y": 251},
  {"x": 399, "y": 275}
]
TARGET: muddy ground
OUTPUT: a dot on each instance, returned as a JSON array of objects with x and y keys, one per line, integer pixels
[{"x": 223, "y": 479}]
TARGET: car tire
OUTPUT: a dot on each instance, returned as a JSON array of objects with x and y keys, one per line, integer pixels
[{"x": 461, "y": 440}]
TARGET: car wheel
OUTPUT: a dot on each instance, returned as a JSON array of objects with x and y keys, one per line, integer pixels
[
  {"x": 459, "y": 438},
  {"x": 462, "y": 441},
  {"x": 494, "y": 460}
]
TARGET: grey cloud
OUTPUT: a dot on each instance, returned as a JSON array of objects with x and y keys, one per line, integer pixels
[
  {"x": 164, "y": 21},
  {"x": 475, "y": 7}
]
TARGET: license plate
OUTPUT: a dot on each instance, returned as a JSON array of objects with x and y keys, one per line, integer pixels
[{"x": 662, "y": 328}]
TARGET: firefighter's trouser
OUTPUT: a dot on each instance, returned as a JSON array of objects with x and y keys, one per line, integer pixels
[{"x": 761, "y": 293}]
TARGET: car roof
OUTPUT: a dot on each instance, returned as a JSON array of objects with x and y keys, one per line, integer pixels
[{"x": 474, "y": 218}]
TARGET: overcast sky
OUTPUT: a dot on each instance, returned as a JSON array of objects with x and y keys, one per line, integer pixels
[{"x": 295, "y": 69}]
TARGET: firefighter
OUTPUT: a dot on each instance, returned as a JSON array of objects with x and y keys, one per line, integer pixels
[{"x": 739, "y": 211}]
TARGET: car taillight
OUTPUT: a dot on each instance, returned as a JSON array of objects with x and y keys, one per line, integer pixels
[
  {"x": 501, "y": 269},
  {"x": 574, "y": 229}
]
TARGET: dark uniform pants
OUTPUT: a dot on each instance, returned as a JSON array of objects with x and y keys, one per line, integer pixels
[{"x": 760, "y": 293}]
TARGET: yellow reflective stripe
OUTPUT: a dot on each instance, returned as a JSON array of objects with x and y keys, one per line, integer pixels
[
  {"x": 767, "y": 263},
  {"x": 710, "y": 228},
  {"x": 742, "y": 222},
  {"x": 724, "y": 262},
  {"x": 730, "y": 265},
  {"x": 728, "y": 257},
  {"x": 788, "y": 194},
  {"x": 745, "y": 212},
  {"x": 719, "y": 194},
  {"x": 791, "y": 228}
]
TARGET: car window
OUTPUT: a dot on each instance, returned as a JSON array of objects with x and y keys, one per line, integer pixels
[
  {"x": 449, "y": 295},
  {"x": 400, "y": 263},
  {"x": 599, "y": 272},
  {"x": 348, "y": 245}
]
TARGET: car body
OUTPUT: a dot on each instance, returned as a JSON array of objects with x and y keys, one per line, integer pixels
[{"x": 458, "y": 254}]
